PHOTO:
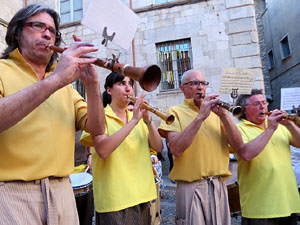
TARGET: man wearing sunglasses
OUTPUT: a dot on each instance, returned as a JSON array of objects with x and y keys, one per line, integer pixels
[
  {"x": 198, "y": 138},
  {"x": 40, "y": 111},
  {"x": 268, "y": 187}
]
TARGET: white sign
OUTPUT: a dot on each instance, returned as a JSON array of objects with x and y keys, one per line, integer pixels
[
  {"x": 290, "y": 97},
  {"x": 113, "y": 20}
]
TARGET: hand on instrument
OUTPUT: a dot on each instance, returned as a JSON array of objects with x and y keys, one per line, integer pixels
[
  {"x": 138, "y": 111},
  {"x": 274, "y": 118},
  {"x": 70, "y": 64},
  {"x": 209, "y": 102},
  {"x": 88, "y": 73},
  {"x": 284, "y": 121},
  {"x": 220, "y": 111}
]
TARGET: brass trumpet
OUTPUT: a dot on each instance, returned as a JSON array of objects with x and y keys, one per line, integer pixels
[
  {"x": 148, "y": 76},
  {"x": 291, "y": 117},
  {"x": 165, "y": 116},
  {"x": 235, "y": 110}
]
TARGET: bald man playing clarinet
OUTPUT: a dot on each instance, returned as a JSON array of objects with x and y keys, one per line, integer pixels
[{"x": 199, "y": 138}]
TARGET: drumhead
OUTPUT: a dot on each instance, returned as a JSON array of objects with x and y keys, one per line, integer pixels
[{"x": 80, "y": 179}]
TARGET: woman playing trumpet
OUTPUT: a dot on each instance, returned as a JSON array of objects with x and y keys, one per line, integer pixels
[{"x": 123, "y": 177}]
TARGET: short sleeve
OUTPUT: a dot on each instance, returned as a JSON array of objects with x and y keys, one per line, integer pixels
[
  {"x": 86, "y": 139},
  {"x": 175, "y": 126}
]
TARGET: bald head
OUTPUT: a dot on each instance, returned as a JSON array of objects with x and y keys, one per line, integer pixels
[
  {"x": 188, "y": 88},
  {"x": 187, "y": 74}
]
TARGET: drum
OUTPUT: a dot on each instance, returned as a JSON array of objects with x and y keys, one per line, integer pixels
[
  {"x": 155, "y": 211},
  {"x": 234, "y": 199},
  {"x": 82, "y": 183},
  {"x": 233, "y": 190}
]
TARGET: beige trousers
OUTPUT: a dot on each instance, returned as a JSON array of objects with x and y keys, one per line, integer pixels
[
  {"x": 203, "y": 202},
  {"x": 41, "y": 202}
]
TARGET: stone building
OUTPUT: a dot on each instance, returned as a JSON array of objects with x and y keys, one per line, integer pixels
[
  {"x": 208, "y": 35},
  {"x": 281, "y": 49}
]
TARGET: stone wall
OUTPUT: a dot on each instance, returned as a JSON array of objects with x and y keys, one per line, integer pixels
[
  {"x": 264, "y": 58},
  {"x": 242, "y": 30},
  {"x": 8, "y": 9}
]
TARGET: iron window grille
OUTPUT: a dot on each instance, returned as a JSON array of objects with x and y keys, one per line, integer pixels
[{"x": 174, "y": 58}]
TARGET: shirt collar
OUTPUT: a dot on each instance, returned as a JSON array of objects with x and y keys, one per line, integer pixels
[
  {"x": 17, "y": 57},
  {"x": 110, "y": 113},
  {"x": 248, "y": 123},
  {"x": 190, "y": 102}
]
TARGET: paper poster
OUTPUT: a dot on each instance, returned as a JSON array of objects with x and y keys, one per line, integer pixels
[
  {"x": 235, "y": 78},
  {"x": 113, "y": 20},
  {"x": 289, "y": 97}
]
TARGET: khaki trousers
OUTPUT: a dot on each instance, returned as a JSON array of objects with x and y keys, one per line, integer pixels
[
  {"x": 203, "y": 202},
  {"x": 49, "y": 201}
]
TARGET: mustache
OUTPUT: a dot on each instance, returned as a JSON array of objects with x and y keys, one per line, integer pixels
[{"x": 43, "y": 42}]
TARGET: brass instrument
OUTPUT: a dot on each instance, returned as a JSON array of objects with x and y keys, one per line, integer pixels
[
  {"x": 165, "y": 116},
  {"x": 235, "y": 110},
  {"x": 291, "y": 117},
  {"x": 148, "y": 76}
]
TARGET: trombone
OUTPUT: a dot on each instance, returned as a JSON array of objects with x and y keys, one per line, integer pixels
[{"x": 165, "y": 116}]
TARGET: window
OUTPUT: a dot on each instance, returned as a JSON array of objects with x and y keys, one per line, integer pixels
[
  {"x": 271, "y": 59},
  {"x": 70, "y": 10},
  {"x": 285, "y": 48},
  {"x": 78, "y": 85},
  {"x": 174, "y": 58}
]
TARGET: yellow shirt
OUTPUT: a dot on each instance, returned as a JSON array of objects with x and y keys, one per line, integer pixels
[
  {"x": 42, "y": 143},
  {"x": 268, "y": 187},
  {"x": 125, "y": 177},
  {"x": 208, "y": 154}
]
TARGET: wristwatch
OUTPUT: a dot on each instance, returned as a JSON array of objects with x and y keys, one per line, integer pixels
[{"x": 148, "y": 122}]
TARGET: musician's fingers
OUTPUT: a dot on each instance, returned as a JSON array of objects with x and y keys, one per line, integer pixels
[
  {"x": 80, "y": 48},
  {"x": 140, "y": 100},
  {"x": 84, "y": 50},
  {"x": 76, "y": 38},
  {"x": 209, "y": 97},
  {"x": 83, "y": 62}
]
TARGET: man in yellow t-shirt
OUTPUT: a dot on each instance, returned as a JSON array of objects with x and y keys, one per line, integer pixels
[
  {"x": 40, "y": 111},
  {"x": 268, "y": 188},
  {"x": 199, "y": 139}
]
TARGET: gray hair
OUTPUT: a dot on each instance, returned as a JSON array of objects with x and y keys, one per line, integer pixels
[
  {"x": 15, "y": 28},
  {"x": 243, "y": 101},
  {"x": 184, "y": 76}
]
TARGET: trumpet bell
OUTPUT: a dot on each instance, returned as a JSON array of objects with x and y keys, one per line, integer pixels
[
  {"x": 237, "y": 111},
  {"x": 151, "y": 78},
  {"x": 170, "y": 119}
]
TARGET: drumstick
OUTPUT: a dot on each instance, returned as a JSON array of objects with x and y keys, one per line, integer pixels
[
  {"x": 82, "y": 177},
  {"x": 87, "y": 168}
]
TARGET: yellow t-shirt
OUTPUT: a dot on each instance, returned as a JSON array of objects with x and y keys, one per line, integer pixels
[
  {"x": 268, "y": 187},
  {"x": 42, "y": 143},
  {"x": 125, "y": 177},
  {"x": 208, "y": 154}
]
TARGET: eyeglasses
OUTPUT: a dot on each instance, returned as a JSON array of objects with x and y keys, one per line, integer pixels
[
  {"x": 41, "y": 27},
  {"x": 196, "y": 83},
  {"x": 258, "y": 103}
]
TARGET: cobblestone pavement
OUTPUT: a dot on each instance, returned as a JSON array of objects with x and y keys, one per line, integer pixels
[{"x": 168, "y": 206}]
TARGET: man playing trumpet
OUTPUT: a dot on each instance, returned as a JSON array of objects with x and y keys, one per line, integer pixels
[
  {"x": 268, "y": 188},
  {"x": 199, "y": 141}
]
